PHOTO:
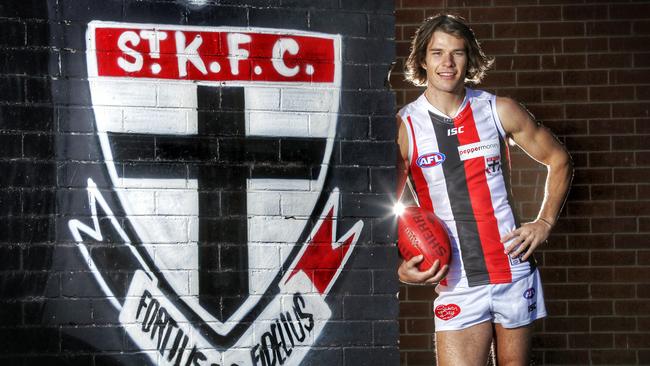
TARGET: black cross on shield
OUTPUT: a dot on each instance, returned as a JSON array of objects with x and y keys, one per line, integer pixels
[
  {"x": 222, "y": 159},
  {"x": 493, "y": 165}
]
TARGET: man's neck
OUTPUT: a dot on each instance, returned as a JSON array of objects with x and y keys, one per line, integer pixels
[{"x": 446, "y": 102}]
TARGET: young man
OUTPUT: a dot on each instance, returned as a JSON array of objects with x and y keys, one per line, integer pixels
[{"x": 453, "y": 147}]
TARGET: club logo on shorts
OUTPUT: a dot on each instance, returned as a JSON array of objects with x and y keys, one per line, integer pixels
[
  {"x": 530, "y": 293},
  {"x": 430, "y": 160},
  {"x": 447, "y": 311}
]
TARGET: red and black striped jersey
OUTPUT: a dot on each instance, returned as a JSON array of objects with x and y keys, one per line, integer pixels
[{"x": 461, "y": 171}]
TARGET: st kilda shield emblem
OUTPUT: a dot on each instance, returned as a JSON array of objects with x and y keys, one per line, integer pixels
[{"x": 216, "y": 142}]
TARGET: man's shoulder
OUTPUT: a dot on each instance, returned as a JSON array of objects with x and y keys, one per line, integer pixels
[
  {"x": 408, "y": 108},
  {"x": 478, "y": 94}
]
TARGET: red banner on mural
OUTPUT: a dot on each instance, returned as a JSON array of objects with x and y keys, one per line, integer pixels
[{"x": 189, "y": 53}]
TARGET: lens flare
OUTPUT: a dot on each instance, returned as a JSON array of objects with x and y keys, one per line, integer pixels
[{"x": 398, "y": 209}]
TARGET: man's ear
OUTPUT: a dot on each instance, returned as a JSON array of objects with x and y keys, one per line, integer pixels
[{"x": 423, "y": 65}]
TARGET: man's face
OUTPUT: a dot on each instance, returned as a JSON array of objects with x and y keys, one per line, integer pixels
[{"x": 445, "y": 62}]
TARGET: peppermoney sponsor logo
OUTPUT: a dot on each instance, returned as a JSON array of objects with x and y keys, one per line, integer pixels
[{"x": 479, "y": 149}]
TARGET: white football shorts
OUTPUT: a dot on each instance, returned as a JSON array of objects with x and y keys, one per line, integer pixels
[{"x": 511, "y": 305}]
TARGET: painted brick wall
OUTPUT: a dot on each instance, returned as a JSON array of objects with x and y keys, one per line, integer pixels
[
  {"x": 582, "y": 68},
  {"x": 197, "y": 183}
]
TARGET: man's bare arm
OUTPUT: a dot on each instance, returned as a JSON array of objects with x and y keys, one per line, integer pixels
[
  {"x": 540, "y": 144},
  {"x": 408, "y": 271}
]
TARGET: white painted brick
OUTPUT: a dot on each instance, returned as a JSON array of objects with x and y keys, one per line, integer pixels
[
  {"x": 179, "y": 280},
  {"x": 192, "y": 122},
  {"x": 193, "y": 228},
  {"x": 157, "y": 120},
  {"x": 259, "y": 280},
  {"x": 313, "y": 185},
  {"x": 298, "y": 203},
  {"x": 166, "y": 229},
  {"x": 263, "y": 256},
  {"x": 176, "y": 257},
  {"x": 177, "y": 202},
  {"x": 176, "y": 95},
  {"x": 300, "y": 99},
  {"x": 238, "y": 356},
  {"x": 321, "y": 124},
  {"x": 278, "y": 184},
  {"x": 194, "y": 284},
  {"x": 107, "y": 92},
  {"x": 267, "y": 99},
  {"x": 263, "y": 203},
  {"x": 145, "y": 199},
  {"x": 278, "y": 124},
  {"x": 285, "y": 250},
  {"x": 157, "y": 183},
  {"x": 274, "y": 230},
  {"x": 178, "y": 263}
]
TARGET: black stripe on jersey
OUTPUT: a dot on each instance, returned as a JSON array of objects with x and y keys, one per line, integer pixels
[
  {"x": 458, "y": 192},
  {"x": 505, "y": 173}
]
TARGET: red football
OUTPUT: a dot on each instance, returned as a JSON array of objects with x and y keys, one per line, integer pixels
[{"x": 421, "y": 232}]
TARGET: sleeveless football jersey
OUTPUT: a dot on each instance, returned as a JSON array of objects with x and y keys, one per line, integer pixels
[{"x": 461, "y": 171}]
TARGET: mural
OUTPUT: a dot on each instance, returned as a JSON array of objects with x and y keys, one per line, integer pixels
[
  {"x": 216, "y": 142},
  {"x": 201, "y": 208}
]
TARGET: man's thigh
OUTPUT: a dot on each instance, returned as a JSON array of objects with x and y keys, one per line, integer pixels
[
  {"x": 466, "y": 347},
  {"x": 513, "y": 345}
]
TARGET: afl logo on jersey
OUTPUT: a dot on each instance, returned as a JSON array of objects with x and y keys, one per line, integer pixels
[{"x": 430, "y": 160}]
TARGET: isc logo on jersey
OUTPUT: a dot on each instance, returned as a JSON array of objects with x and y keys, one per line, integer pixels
[
  {"x": 455, "y": 131},
  {"x": 430, "y": 160}
]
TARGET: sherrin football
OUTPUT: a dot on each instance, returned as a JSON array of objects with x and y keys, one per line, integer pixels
[{"x": 421, "y": 232}]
